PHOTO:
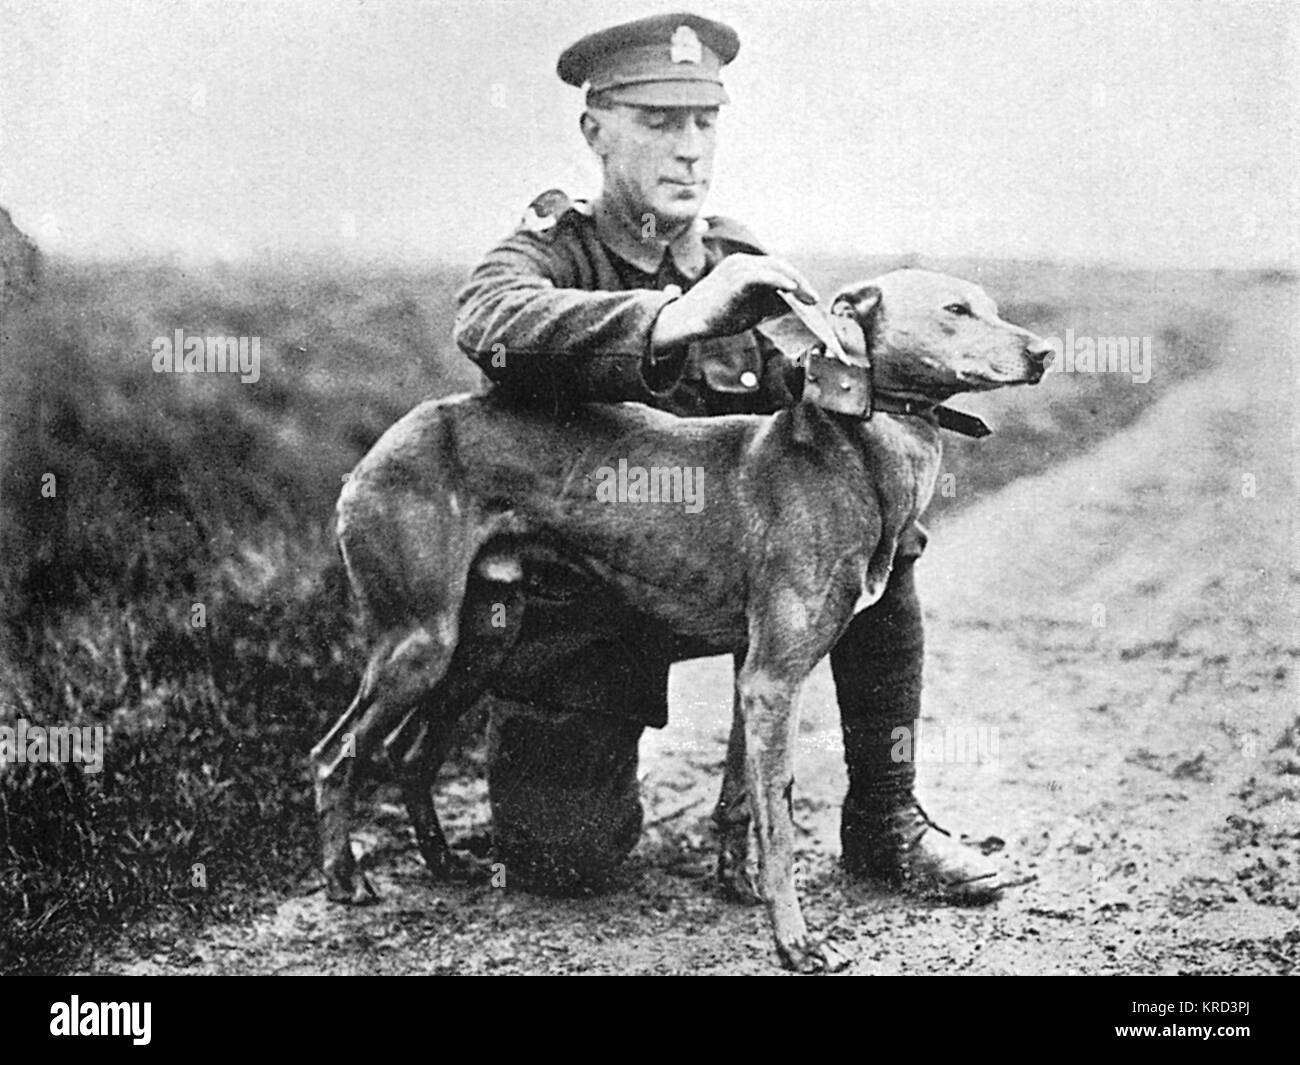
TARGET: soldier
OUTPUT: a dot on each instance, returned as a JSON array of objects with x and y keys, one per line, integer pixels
[{"x": 636, "y": 296}]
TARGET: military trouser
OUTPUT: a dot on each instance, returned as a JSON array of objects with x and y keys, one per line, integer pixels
[{"x": 568, "y": 715}]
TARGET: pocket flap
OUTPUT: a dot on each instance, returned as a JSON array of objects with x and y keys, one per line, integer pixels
[{"x": 729, "y": 364}]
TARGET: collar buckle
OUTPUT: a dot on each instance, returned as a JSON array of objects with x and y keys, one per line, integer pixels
[{"x": 839, "y": 385}]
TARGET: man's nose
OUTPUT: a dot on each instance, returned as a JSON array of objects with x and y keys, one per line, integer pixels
[{"x": 690, "y": 142}]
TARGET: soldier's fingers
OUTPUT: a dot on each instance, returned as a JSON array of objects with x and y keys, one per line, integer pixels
[
  {"x": 791, "y": 278},
  {"x": 772, "y": 272},
  {"x": 768, "y": 305}
]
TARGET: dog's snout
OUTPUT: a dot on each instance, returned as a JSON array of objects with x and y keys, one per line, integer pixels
[{"x": 1039, "y": 350}]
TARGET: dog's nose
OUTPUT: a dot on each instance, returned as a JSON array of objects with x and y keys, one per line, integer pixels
[{"x": 1040, "y": 351}]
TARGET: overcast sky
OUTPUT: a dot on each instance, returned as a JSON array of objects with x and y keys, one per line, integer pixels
[{"x": 1138, "y": 132}]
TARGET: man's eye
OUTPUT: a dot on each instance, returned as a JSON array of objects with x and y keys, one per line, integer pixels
[{"x": 959, "y": 309}]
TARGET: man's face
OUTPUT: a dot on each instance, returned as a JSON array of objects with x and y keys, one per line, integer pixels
[{"x": 657, "y": 161}]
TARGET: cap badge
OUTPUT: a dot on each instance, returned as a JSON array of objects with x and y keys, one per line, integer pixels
[{"x": 685, "y": 46}]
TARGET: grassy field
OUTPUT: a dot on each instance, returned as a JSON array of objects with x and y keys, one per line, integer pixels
[{"x": 177, "y": 491}]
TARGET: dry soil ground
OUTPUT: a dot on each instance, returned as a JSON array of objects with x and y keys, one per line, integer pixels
[{"x": 1126, "y": 623}]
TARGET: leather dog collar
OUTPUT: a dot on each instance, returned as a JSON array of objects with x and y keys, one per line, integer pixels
[{"x": 954, "y": 421}]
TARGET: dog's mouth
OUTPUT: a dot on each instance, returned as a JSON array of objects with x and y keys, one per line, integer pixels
[
  {"x": 996, "y": 376},
  {"x": 983, "y": 382}
]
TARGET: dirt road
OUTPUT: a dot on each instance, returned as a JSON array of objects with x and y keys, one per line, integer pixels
[{"x": 1117, "y": 639}]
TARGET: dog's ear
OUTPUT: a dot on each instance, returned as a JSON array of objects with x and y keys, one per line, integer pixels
[{"x": 860, "y": 302}]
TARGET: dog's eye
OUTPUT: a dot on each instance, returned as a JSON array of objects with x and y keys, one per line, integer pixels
[{"x": 958, "y": 308}]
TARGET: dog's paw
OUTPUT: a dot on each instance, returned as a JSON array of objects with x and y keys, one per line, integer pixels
[
  {"x": 832, "y": 959},
  {"x": 356, "y": 890},
  {"x": 363, "y": 891},
  {"x": 736, "y": 885},
  {"x": 812, "y": 958},
  {"x": 345, "y": 884},
  {"x": 458, "y": 866}
]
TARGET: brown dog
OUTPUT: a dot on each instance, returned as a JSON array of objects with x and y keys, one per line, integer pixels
[{"x": 798, "y": 517}]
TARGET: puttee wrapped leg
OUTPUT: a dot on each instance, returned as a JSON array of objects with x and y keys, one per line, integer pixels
[{"x": 884, "y": 833}]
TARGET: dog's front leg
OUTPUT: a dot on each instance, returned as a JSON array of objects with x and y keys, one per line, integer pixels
[
  {"x": 768, "y": 708},
  {"x": 731, "y": 815}
]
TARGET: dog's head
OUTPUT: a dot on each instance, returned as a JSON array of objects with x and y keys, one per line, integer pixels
[{"x": 931, "y": 336}]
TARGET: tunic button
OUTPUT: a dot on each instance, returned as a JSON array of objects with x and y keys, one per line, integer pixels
[
  {"x": 749, "y": 379},
  {"x": 673, "y": 290}
]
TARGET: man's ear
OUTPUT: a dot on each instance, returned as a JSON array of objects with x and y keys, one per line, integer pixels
[{"x": 592, "y": 128}]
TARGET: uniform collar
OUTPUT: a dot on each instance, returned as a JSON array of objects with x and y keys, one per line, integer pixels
[{"x": 647, "y": 253}]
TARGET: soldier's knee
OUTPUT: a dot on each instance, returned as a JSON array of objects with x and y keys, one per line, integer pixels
[{"x": 565, "y": 800}]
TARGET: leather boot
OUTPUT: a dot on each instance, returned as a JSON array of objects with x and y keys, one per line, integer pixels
[
  {"x": 885, "y": 835},
  {"x": 897, "y": 845}
]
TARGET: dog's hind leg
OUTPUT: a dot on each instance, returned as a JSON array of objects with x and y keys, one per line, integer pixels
[
  {"x": 408, "y": 558},
  {"x": 405, "y": 666},
  {"x": 731, "y": 815},
  {"x": 333, "y": 758},
  {"x": 416, "y": 749},
  {"x": 490, "y": 623}
]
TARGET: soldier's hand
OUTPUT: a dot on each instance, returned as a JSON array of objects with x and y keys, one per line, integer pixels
[{"x": 740, "y": 292}]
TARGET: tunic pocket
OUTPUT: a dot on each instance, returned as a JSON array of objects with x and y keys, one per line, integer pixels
[{"x": 731, "y": 364}]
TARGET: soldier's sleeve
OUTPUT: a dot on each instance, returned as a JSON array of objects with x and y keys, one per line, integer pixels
[{"x": 527, "y": 323}]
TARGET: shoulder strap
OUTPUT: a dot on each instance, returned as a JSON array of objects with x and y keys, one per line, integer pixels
[{"x": 545, "y": 210}]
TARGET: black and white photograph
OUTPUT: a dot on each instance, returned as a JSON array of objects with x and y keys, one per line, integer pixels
[{"x": 644, "y": 487}]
